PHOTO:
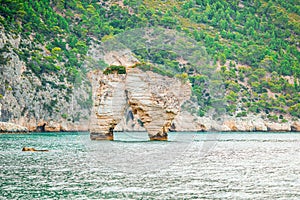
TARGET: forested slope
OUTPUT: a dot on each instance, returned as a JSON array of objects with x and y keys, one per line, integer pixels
[{"x": 253, "y": 44}]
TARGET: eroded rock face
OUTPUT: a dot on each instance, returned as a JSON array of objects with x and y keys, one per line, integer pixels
[
  {"x": 109, "y": 104},
  {"x": 120, "y": 58},
  {"x": 153, "y": 98},
  {"x": 296, "y": 126},
  {"x": 30, "y": 100},
  {"x": 278, "y": 127},
  {"x": 246, "y": 124}
]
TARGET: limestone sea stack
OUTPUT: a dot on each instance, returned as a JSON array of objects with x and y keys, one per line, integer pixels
[{"x": 153, "y": 98}]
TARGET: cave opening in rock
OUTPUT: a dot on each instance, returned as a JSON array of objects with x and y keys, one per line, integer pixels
[{"x": 41, "y": 128}]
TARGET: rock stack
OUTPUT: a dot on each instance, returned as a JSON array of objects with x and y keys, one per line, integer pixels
[{"x": 153, "y": 98}]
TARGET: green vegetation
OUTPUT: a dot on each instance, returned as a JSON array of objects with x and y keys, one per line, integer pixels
[
  {"x": 65, "y": 116},
  {"x": 115, "y": 69},
  {"x": 255, "y": 44}
]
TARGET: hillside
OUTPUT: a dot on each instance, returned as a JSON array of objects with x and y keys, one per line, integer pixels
[{"x": 47, "y": 50}]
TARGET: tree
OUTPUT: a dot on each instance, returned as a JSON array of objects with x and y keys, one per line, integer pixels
[
  {"x": 222, "y": 58},
  {"x": 223, "y": 24},
  {"x": 56, "y": 50}
]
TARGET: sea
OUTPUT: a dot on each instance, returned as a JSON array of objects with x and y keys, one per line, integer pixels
[{"x": 187, "y": 166}]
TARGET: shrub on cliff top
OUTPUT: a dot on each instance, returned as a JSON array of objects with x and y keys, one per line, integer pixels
[{"x": 115, "y": 69}]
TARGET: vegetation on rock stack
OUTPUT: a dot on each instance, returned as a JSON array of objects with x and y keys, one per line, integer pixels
[
  {"x": 115, "y": 69},
  {"x": 254, "y": 44}
]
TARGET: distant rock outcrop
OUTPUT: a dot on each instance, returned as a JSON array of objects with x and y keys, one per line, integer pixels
[
  {"x": 185, "y": 121},
  {"x": 6, "y": 127}
]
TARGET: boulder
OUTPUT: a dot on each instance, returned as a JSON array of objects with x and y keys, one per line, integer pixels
[{"x": 33, "y": 149}]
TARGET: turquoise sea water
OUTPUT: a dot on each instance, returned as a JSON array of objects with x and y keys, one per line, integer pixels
[{"x": 188, "y": 166}]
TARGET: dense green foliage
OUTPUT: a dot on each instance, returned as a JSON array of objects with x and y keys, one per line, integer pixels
[
  {"x": 255, "y": 42},
  {"x": 115, "y": 69}
]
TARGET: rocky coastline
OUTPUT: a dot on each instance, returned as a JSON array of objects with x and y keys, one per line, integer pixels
[
  {"x": 203, "y": 125},
  {"x": 6, "y": 127},
  {"x": 188, "y": 122},
  {"x": 183, "y": 122}
]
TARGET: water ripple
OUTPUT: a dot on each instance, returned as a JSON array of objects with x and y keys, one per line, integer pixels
[{"x": 238, "y": 166}]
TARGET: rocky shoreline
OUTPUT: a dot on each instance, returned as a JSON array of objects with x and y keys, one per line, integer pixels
[
  {"x": 6, "y": 127},
  {"x": 187, "y": 122},
  {"x": 183, "y": 122},
  {"x": 226, "y": 126}
]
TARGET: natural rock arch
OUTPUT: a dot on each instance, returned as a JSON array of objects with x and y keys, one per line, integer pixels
[{"x": 154, "y": 98}]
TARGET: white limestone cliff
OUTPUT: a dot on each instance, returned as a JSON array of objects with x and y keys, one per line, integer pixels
[{"x": 41, "y": 102}]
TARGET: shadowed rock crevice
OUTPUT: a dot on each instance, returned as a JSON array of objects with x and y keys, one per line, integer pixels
[{"x": 41, "y": 128}]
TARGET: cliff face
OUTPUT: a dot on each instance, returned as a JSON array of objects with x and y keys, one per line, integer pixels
[
  {"x": 41, "y": 103},
  {"x": 153, "y": 99}
]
